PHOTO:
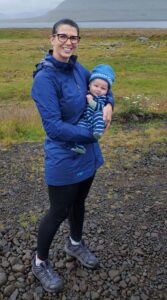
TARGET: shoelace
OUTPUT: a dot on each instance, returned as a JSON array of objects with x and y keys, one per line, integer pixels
[
  {"x": 84, "y": 252},
  {"x": 46, "y": 272}
]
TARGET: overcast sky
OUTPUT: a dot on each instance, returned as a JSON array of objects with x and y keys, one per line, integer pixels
[{"x": 10, "y": 7}]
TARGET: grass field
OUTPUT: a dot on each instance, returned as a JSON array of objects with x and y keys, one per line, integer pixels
[{"x": 140, "y": 65}]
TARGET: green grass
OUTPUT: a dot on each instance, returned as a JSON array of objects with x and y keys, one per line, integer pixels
[
  {"x": 135, "y": 140},
  {"x": 141, "y": 70},
  {"x": 20, "y": 122},
  {"x": 27, "y": 219}
]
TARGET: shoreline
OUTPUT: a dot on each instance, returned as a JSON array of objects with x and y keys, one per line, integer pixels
[{"x": 90, "y": 24}]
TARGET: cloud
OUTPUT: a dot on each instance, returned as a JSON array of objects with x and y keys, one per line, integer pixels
[{"x": 10, "y": 7}]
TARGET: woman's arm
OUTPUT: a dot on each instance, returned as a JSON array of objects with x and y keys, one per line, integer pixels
[
  {"x": 108, "y": 109},
  {"x": 110, "y": 98},
  {"x": 44, "y": 95},
  {"x": 107, "y": 115}
]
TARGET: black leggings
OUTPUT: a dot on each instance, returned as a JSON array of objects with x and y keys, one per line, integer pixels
[{"x": 67, "y": 201}]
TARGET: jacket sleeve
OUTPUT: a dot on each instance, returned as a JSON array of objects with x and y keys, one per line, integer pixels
[{"x": 47, "y": 102}]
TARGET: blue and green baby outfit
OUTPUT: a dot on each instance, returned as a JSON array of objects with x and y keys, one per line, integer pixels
[{"x": 92, "y": 117}]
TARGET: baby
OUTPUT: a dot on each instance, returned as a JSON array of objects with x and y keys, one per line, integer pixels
[{"x": 100, "y": 83}]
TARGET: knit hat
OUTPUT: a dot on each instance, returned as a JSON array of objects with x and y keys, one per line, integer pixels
[{"x": 104, "y": 72}]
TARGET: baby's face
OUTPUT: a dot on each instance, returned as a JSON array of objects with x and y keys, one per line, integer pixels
[{"x": 98, "y": 87}]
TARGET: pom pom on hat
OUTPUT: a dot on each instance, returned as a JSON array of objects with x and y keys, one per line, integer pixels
[{"x": 104, "y": 72}]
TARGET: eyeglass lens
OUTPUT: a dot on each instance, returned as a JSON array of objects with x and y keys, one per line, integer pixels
[{"x": 63, "y": 38}]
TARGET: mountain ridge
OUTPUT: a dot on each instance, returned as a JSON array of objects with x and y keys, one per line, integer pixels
[{"x": 108, "y": 10}]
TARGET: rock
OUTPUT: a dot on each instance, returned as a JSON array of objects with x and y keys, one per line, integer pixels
[
  {"x": 143, "y": 39},
  {"x": 95, "y": 296},
  {"x": 3, "y": 278},
  {"x": 154, "y": 235},
  {"x": 133, "y": 279},
  {"x": 76, "y": 287},
  {"x": 117, "y": 279},
  {"x": 123, "y": 284},
  {"x": 83, "y": 286},
  {"x": 134, "y": 118},
  {"x": 82, "y": 273},
  {"x": 60, "y": 264},
  {"x": 134, "y": 298},
  {"x": 11, "y": 277},
  {"x": 125, "y": 226},
  {"x": 5, "y": 264},
  {"x": 27, "y": 296},
  {"x": 103, "y": 275},
  {"x": 9, "y": 289},
  {"x": 113, "y": 273},
  {"x": 70, "y": 265},
  {"x": 14, "y": 295},
  {"x": 18, "y": 268},
  {"x": 138, "y": 251},
  {"x": 144, "y": 297}
]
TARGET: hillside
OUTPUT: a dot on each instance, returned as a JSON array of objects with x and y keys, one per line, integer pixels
[
  {"x": 107, "y": 10},
  {"x": 110, "y": 10}
]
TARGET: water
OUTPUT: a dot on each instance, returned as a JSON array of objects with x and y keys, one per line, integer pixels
[{"x": 125, "y": 24}]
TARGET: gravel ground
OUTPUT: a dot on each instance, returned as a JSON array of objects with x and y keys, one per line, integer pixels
[{"x": 126, "y": 225}]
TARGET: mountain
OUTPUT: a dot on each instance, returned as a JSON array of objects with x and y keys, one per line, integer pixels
[
  {"x": 106, "y": 10},
  {"x": 109, "y": 10}
]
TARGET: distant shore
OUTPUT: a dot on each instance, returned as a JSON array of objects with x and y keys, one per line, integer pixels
[{"x": 115, "y": 24}]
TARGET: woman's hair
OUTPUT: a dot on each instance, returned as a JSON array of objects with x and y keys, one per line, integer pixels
[{"x": 65, "y": 22}]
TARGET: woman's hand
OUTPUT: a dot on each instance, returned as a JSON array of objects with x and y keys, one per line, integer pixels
[{"x": 107, "y": 115}]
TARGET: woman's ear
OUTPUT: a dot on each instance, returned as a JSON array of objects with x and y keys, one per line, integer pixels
[{"x": 51, "y": 38}]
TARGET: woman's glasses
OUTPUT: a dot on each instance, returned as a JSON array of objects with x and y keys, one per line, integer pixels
[{"x": 62, "y": 37}]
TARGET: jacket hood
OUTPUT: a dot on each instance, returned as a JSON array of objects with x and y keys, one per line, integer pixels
[{"x": 50, "y": 61}]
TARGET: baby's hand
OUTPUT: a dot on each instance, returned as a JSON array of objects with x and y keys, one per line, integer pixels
[{"x": 89, "y": 98}]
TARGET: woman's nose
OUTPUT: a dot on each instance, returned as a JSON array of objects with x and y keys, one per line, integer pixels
[{"x": 68, "y": 42}]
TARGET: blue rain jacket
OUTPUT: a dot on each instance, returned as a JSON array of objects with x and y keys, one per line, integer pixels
[{"x": 59, "y": 90}]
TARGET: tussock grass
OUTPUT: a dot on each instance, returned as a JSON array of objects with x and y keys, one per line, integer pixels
[
  {"x": 27, "y": 219},
  {"x": 129, "y": 144},
  {"x": 139, "y": 137},
  {"x": 20, "y": 122}
]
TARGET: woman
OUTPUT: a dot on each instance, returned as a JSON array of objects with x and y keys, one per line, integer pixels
[{"x": 59, "y": 91}]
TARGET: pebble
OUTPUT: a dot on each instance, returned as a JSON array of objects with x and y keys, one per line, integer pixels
[
  {"x": 134, "y": 298},
  {"x": 113, "y": 273},
  {"x": 123, "y": 284},
  {"x": 14, "y": 295},
  {"x": 9, "y": 289},
  {"x": 126, "y": 229},
  {"x": 18, "y": 268},
  {"x": 3, "y": 278},
  {"x": 95, "y": 296}
]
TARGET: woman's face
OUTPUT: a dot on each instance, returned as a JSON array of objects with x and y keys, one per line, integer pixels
[{"x": 63, "y": 48}]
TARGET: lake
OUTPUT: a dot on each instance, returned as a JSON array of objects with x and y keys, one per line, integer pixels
[{"x": 125, "y": 24}]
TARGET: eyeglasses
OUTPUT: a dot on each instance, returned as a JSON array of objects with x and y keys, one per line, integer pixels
[{"x": 62, "y": 37}]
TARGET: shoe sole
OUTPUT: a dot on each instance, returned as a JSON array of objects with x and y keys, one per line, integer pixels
[
  {"x": 80, "y": 259},
  {"x": 56, "y": 290}
]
